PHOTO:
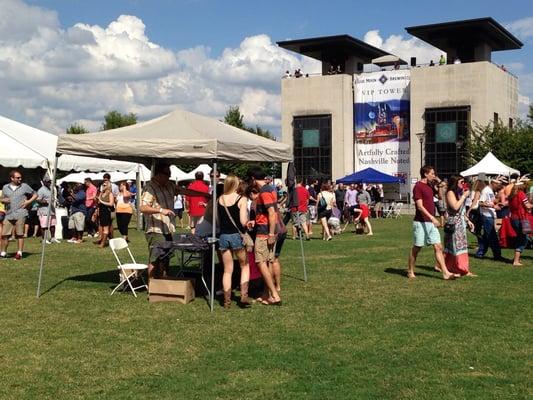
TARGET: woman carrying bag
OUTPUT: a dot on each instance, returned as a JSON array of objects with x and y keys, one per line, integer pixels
[
  {"x": 455, "y": 238},
  {"x": 325, "y": 202},
  {"x": 232, "y": 211}
]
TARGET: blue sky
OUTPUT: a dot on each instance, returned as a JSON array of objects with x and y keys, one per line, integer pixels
[{"x": 73, "y": 60}]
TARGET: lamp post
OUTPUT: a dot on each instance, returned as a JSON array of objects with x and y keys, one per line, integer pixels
[{"x": 421, "y": 136}]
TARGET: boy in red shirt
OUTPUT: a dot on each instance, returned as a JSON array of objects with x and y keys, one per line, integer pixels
[{"x": 196, "y": 204}]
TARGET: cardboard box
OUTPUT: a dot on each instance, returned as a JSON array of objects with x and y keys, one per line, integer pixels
[{"x": 179, "y": 290}]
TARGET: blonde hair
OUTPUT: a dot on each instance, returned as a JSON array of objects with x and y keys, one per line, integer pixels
[{"x": 231, "y": 183}]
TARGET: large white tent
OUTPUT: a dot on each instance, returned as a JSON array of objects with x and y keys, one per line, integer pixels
[
  {"x": 176, "y": 137},
  {"x": 29, "y": 147},
  {"x": 490, "y": 165}
]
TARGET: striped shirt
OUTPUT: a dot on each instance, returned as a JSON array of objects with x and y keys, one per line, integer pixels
[
  {"x": 157, "y": 196},
  {"x": 267, "y": 198}
]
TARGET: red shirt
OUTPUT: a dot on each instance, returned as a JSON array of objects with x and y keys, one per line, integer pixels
[
  {"x": 422, "y": 191},
  {"x": 303, "y": 200},
  {"x": 516, "y": 205},
  {"x": 267, "y": 198},
  {"x": 91, "y": 192},
  {"x": 195, "y": 209}
]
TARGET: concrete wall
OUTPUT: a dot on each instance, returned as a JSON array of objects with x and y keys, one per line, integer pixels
[
  {"x": 482, "y": 85},
  {"x": 322, "y": 95}
]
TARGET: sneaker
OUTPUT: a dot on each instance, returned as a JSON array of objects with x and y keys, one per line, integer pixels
[
  {"x": 71, "y": 240},
  {"x": 3, "y": 256},
  {"x": 18, "y": 255},
  {"x": 89, "y": 235},
  {"x": 54, "y": 240},
  {"x": 48, "y": 242}
]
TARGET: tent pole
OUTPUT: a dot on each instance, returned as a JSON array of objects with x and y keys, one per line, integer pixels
[
  {"x": 138, "y": 197},
  {"x": 213, "y": 235},
  {"x": 302, "y": 247},
  {"x": 48, "y": 212}
]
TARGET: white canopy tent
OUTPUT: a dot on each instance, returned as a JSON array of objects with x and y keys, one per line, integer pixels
[
  {"x": 490, "y": 165},
  {"x": 29, "y": 147},
  {"x": 176, "y": 174},
  {"x": 173, "y": 138},
  {"x": 205, "y": 169},
  {"x": 79, "y": 177}
]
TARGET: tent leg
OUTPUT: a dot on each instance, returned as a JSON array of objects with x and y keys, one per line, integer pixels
[
  {"x": 213, "y": 235},
  {"x": 52, "y": 199},
  {"x": 138, "y": 198},
  {"x": 302, "y": 248}
]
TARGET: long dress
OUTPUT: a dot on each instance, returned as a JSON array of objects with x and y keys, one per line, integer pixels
[{"x": 456, "y": 243}]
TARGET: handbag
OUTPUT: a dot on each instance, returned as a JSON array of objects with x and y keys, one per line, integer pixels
[
  {"x": 449, "y": 227},
  {"x": 246, "y": 238},
  {"x": 525, "y": 223}
]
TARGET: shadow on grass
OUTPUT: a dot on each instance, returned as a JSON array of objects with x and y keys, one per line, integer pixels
[
  {"x": 97, "y": 277},
  {"x": 296, "y": 278},
  {"x": 403, "y": 272}
]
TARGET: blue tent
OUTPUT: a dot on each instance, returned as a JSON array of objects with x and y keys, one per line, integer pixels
[{"x": 370, "y": 175}]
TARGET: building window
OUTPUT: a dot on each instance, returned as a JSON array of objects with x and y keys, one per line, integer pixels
[
  {"x": 446, "y": 131},
  {"x": 312, "y": 146}
]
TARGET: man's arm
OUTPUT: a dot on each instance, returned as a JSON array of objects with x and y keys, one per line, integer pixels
[
  {"x": 272, "y": 216},
  {"x": 420, "y": 206}
]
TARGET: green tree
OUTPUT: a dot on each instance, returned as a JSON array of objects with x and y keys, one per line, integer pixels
[
  {"x": 530, "y": 115},
  {"x": 235, "y": 118},
  {"x": 114, "y": 119},
  {"x": 76, "y": 129},
  {"x": 513, "y": 146}
]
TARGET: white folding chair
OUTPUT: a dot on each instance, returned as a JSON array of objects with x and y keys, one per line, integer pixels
[
  {"x": 387, "y": 213},
  {"x": 129, "y": 270},
  {"x": 396, "y": 210}
]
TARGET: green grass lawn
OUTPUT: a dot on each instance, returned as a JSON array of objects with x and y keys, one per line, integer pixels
[{"x": 358, "y": 329}]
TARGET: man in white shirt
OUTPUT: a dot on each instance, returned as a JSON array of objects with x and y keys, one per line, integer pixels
[{"x": 487, "y": 203}]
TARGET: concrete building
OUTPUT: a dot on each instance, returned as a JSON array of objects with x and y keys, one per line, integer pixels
[{"x": 337, "y": 122}]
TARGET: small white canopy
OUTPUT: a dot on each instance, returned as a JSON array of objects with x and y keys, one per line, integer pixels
[
  {"x": 24, "y": 146},
  {"x": 116, "y": 176},
  {"x": 490, "y": 165},
  {"x": 174, "y": 137},
  {"x": 205, "y": 168},
  {"x": 177, "y": 174}
]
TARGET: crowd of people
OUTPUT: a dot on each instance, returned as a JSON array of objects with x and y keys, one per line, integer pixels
[
  {"x": 482, "y": 209},
  {"x": 252, "y": 215}
]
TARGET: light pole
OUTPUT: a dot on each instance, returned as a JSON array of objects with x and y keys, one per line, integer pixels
[{"x": 421, "y": 136}]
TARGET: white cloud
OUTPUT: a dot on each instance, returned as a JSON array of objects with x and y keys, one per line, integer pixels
[
  {"x": 523, "y": 28},
  {"x": 51, "y": 77},
  {"x": 404, "y": 48}
]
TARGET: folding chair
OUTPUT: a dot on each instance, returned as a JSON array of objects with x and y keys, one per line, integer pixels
[
  {"x": 129, "y": 270},
  {"x": 387, "y": 213},
  {"x": 396, "y": 210}
]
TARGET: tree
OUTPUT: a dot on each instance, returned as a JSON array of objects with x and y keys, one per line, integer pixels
[
  {"x": 530, "y": 115},
  {"x": 114, "y": 119},
  {"x": 513, "y": 146},
  {"x": 76, "y": 129},
  {"x": 235, "y": 118}
]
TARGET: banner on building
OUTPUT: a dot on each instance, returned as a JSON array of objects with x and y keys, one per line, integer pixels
[{"x": 381, "y": 126}]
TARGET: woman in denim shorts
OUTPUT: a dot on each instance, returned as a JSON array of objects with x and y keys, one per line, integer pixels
[{"x": 232, "y": 211}]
